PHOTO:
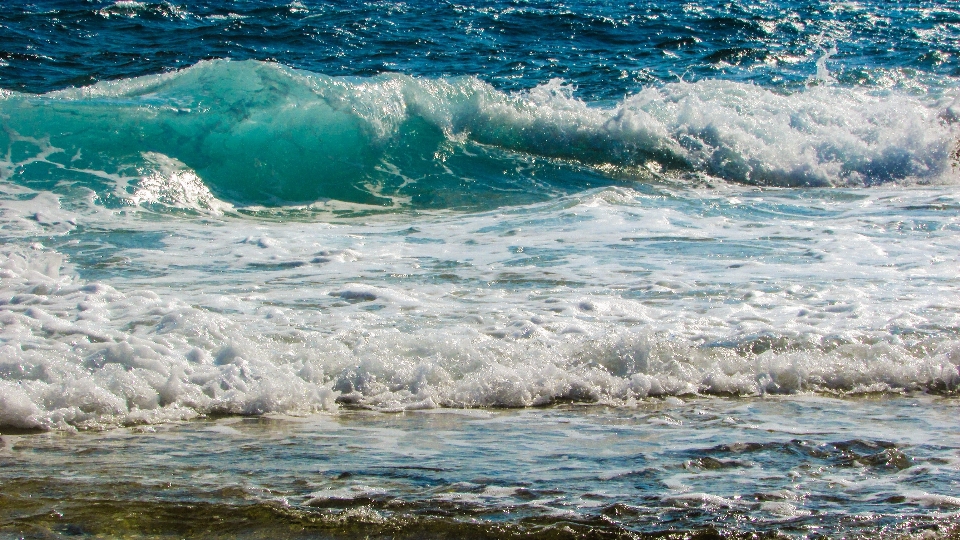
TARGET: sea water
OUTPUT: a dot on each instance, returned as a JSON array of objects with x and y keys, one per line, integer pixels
[{"x": 491, "y": 269}]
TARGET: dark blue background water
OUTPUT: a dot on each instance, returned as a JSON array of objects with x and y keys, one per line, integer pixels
[{"x": 607, "y": 49}]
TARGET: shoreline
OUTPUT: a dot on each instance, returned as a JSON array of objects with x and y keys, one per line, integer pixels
[{"x": 704, "y": 468}]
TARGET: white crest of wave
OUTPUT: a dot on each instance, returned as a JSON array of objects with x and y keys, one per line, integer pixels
[
  {"x": 270, "y": 133},
  {"x": 822, "y": 135}
]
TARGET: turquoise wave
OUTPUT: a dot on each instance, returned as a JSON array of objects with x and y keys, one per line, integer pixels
[{"x": 259, "y": 133}]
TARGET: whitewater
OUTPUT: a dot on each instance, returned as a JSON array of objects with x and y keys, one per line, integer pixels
[
  {"x": 688, "y": 269},
  {"x": 256, "y": 239}
]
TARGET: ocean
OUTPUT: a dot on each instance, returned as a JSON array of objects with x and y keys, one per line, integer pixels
[{"x": 502, "y": 269}]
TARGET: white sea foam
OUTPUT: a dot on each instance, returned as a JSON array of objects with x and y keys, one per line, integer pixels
[
  {"x": 260, "y": 316},
  {"x": 934, "y": 499},
  {"x": 782, "y": 509},
  {"x": 706, "y": 499},
  {"x": 90, "y": 370},
  {"x": 133, "y": 8}
]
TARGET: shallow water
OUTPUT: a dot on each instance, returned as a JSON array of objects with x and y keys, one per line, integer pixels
[{"x": 795, "y": 467}]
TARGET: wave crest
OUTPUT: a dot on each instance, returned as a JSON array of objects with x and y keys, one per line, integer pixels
[{"x": 263, "y": 134}]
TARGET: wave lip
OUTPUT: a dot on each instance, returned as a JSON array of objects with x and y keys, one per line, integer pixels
[{"x": 260, "y": 133}]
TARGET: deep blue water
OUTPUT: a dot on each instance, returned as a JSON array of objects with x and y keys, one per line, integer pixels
[{"x": 606, "y": 49}]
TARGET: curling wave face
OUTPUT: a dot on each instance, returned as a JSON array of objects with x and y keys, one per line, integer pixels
[{"x": 255, "y": 133}]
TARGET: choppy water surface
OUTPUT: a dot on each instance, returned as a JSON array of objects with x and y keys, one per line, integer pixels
[
  {"x": 808, "y": 467},
  {"x": 716, "y": 245},
  {"x": 607, "y": 49}
]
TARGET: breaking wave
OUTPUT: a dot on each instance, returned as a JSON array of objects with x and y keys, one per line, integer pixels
[{"x": 256, "y": 133}]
